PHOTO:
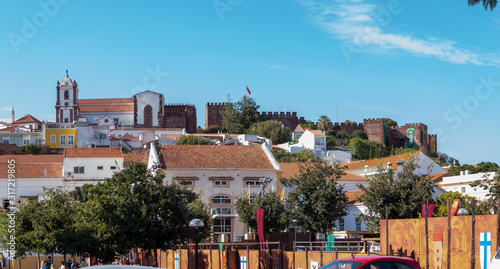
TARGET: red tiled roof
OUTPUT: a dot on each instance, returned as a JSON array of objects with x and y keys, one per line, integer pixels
[
  {"x": 213, "y": 157},
  {"x": 291, "y": 169},
  {"x": 437, "y": 178},
  {"x": 27, "y": 119},
  {"x": 129, "y": 137},
  {"x": 109, "y": 104},
  {"x": 352, "y": 196},
  {"x": 9, "y": 129},
  {"x": 93, "y": 153},
  {"x": 105, "y": 101},
  {"x": 32, "y": 166},
  {"x": 315, "y": 132},
  {"x": 382, "y": 161},
  {"x": 174, "y": 137},
  {"x": 135, "y": 157}
]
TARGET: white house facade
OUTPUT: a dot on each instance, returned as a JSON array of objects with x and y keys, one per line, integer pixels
[{"x": 462, "y": 183}]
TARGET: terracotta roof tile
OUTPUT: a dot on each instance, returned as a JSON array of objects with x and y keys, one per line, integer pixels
[
  {"x": 129, "y": 137},
  {"x": 106, "y": 108},
  {"x": 437, "y": 178},
  {"x": 291, "y": 169},
  {"x": 135, "y": 157},
  {"x": 93, "y": 153},
  {"x": 298, "y": 129},
  {"x": 315, "y": 132},
  {"x": 33, "y": 166},
  {"x": 27, "y": 119},
  {"x": 382, "y": 161},
  {"x": 105, "y": 101},
  {"x": 352, "y": 196},
  {"x": 174, "y": 137},
  {"x": 213, "y": 157}
]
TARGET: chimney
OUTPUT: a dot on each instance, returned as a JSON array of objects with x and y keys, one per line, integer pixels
[{"x": 13, "y": 115}]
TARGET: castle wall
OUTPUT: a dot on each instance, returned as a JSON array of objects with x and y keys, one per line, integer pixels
[
  {"x": 180, "y": 116},
  {"x": 349, "y": 128},
  {"x": 212, "y": 114},
  {"x": 289, "y": 119}
]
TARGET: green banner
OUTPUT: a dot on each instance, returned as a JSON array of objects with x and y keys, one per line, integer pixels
[{"x": 411, "y": 137}]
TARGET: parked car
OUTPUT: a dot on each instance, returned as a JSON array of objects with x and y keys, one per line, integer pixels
[
  {"x": 495, "y": 262},
  {"x": 373, "y": 262}
]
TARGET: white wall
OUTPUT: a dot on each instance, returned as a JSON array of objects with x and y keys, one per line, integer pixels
[
  {"x": 148, "y": 98},
  {"x": 236, "y": 186},
  {"x": 124, "y": 118},
  {"x": 91, "y": 165},
  {"x": 457, "y": 183},
  {"x": 353, "y": 211}
]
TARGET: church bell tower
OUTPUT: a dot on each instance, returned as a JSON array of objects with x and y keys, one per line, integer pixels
[{"x": 67, "y": 100}]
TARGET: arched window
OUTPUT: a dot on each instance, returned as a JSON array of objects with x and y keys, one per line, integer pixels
[
  {"x": 221, "y": 199},
  {"x": 66, "y": 95},
  {"x": 148, "y": 116}
]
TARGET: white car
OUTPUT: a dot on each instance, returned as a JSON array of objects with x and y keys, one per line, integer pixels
[{"x": 495, "y": 262}]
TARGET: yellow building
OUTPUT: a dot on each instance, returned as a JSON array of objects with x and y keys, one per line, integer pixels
[{"x": 59, "y": 136}]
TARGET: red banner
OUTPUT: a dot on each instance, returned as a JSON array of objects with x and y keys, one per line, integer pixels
[
  {"x": 430, "y": 209},
  {"x": 260, "y": 226}
]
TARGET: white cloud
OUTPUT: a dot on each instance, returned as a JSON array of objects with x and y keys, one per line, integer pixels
[
  {"x": 360, "y": 25},
  {"x": 7, "y": 108},
  {"x": 276, "y": 66}
]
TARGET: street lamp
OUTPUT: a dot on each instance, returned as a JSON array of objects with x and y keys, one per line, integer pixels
[
  {"x": 294, "y": 232},
  {"x": 196, "y": 223}
]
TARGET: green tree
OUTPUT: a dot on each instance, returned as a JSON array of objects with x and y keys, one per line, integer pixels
[
  {"x": 275, "y": 215},
  {"x": 193, "y": 140},
  {"x": 32, "y": 149},
  {"x": 133, "y": 209},
  {"x": 486, "y": 3},
  {"x": 324, "y": 123},
  {"x": 364, "y": 149},
  {"x": 231, "y": 119},
  {"x": 273, "y": 130},
  {"x": 482, "y": 208},
  {"x": 247, "y": 108},
  {"x": 490, "y": 185},
  {"x": 4, "y": 228},
  {"x": 318, "y": 199},
  {"x": 404, "y": 195},
  {"x": 482, "y": 167},
  {"x": 330, "y": 141},
  {"x": 212, "y": 129},
  {"x": 303, "y": 156},
  {"x": 360, "y": 134},
  {"x": 309, "y": 125},
  {"x": 390, "y": 122}
]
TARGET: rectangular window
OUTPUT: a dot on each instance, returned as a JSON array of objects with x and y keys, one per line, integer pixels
[
  {"x": 26, "y": 141},
  {"x": 70, "y": 140},
  {"x": 38, "y": 142},
  {"x": 221, "y": 226},
  {"x": 112, "y": 168},
  {"x": 79, "y": 169},
  {"x": 5, "y": 140},
  {"x": 252, "y": 183},
  {"x": 357, "y": 221},
  {"x": 221, "y": 183},
  {"x": 221, "y": 210},
  {"x": 186, "y": 183},
  {"x": 52, "y": 138},
  {"x": 341, "y": 224},
  {"x": 463, "y": 189},
  {"x": 62, "y": 140},
  {"x": 100, "y": 167}
]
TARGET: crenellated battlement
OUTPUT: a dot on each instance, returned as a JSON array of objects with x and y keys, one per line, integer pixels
[
  {"x": 216, "y": 104},
  {"x": 181, "y": 104}
]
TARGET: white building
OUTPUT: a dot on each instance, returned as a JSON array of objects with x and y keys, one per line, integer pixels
[
  {"x": 315, "y": 141},
  {"x": 219, "y": 172},
  {"x": 29, "y": 175},
  {"x": 462, "y": 183},
  {"x": 92, "y": 164}
]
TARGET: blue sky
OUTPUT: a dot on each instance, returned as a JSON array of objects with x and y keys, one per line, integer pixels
[{"x": 412, "y": 61}]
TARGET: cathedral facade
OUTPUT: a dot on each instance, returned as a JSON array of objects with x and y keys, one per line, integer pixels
[{"x": 144, "y": 110}]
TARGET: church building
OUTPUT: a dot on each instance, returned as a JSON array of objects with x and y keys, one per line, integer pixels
[{"x": 144, "y": 110}]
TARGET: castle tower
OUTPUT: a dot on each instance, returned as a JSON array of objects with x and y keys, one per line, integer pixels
[{"x": 67, "y": 100}]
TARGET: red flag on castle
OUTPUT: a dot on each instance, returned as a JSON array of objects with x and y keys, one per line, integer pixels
[{"x": 248, "y": 90}]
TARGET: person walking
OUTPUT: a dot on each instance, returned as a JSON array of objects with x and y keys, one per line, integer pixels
[{"x": 62, "y": 265}]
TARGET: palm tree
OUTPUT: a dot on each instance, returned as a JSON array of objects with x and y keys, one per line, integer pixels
[
  {"x": 486, "y": 3},
  {"x": 324, "y": 122}
]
